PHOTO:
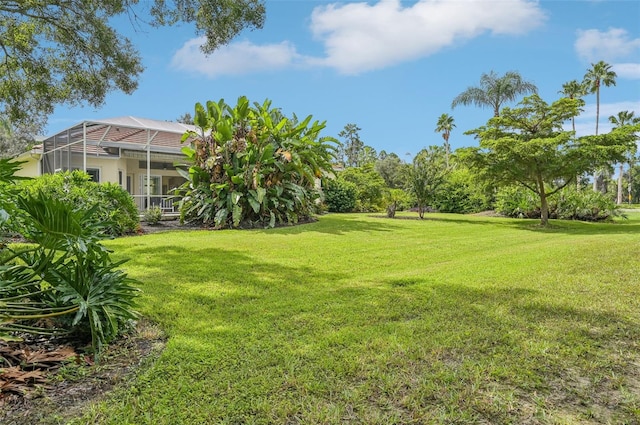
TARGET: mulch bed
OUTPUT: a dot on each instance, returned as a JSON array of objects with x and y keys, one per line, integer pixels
[{"x": 45, "y": 378}]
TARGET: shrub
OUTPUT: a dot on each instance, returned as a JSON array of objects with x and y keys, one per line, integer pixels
[
  {"x": 370, "y": 187},
  {"x": 461, "y": 194},
  {"x": 567, "y": 204},
  {"x": 152, "y": 215},
  {"x": 339, "y": 195},
  {"x": 113, "y": 205},
  {"x": 64, "y": 275},
  {"x": 584, "y": 205},
  {"x": 516, "y": 201}
]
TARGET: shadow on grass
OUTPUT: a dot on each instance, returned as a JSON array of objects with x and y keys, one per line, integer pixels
[
  {"x": 243, "y": 320},
  {"x": 339, "y": 224},
  {"x": 226, "y": 275}
]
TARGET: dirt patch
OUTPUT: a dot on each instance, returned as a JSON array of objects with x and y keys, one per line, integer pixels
[{"x": 68, "y": 388}]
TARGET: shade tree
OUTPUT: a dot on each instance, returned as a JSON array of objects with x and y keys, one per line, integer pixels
[
  {"x": 15, "y": 140},
  {"x": 370, "y": 187},
  {"x": 527, "y": 145},
  {"x": 392, "y": 169},
  {"x": 70, "y": 52}
]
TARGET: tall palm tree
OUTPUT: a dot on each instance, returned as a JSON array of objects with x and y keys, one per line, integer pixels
[
  {"x": 494, "y": 91},
  {"x": 599, "y": 74},
  {"x": 624, "y": 118},
  {"x": 573, "y": 90},
  {"x": 445, "y": 126}
]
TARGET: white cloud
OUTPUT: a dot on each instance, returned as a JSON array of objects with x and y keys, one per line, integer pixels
[
  {"x": 630, "y": 71},
  {"x": 360, "y": 37},
  {"x": 594, "y": 45},
  {"x": 236, "y": 58}
]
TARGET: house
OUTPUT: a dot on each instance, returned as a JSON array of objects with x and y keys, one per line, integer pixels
[{"x": 139, "y": 154}]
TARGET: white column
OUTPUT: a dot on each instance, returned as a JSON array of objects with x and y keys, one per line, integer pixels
[
  {"x": 84, "y": 146},
  {"x": 148, "y": 168}
]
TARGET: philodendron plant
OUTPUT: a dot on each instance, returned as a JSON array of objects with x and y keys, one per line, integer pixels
[{"x": 62, "y": 276}]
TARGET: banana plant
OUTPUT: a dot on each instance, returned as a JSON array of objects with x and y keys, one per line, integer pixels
[{"x": 252, "y": 165}]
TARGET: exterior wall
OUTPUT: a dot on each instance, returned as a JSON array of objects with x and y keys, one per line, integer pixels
[
  {"x": 108, "y": 168},
  {"x": 31, "y": 168}
]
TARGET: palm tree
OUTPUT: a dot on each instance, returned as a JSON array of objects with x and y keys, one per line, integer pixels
[
  {"x": 599, "y": 74},
  {"x": 623, "y": 118},
  {"x": 573, "y": 90},
  {"x": 444, "y": 126},
  {"x": 495, "y": 91}
]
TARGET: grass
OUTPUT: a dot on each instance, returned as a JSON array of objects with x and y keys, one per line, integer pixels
[{"x": 359, "y": 319}]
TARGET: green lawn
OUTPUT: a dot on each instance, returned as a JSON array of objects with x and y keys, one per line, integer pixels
[{"x": 360, "y": 319}]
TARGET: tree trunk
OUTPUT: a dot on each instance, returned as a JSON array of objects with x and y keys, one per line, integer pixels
[
  {"x": 629, "y": 182},
  {"x": 544, "y": 205},
  {"x": 596, "y": 175},
  {"x": 619, "y": 199},
  {"x": 597, "y": 107},
  {"x": 391, "y": 210}
]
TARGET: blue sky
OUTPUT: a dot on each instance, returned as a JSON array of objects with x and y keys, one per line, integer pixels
[{"x": 391, "y": 67}]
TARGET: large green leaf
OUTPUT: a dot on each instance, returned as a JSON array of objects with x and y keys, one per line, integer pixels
[
  {"x": 188, "y": 151},
  {"x": 224, "y": 131},
  {"x": 200, "y": 118},
  {"x": 242, "y": 108},
  {"x": 236, "y": 215},
  {"x": 260, "y": 194},
  {"x": 267, "y": 154},
  {"x": 255, "y": 205},
  {"x": 214, "y": 112},
  {"x": 221, "y": 217}
]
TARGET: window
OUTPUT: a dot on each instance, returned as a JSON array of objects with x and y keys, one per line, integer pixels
[
  {"x": 153, "y": 185},
  {"x": 94, "y": 173}
]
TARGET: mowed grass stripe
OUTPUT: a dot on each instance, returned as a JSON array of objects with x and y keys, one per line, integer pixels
[{"x": 363, "y": 319}]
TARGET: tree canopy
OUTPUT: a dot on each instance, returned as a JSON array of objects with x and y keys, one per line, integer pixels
[
  {"x": 445, "y": 125},
  {"x": 494, "y": 91},
  {"x": 67, "y": 52},
  {"x": 598, "y": 75},
  {"x": 426, "y": 176},
  {"x": 527, "y": 146},
  {"x": 15, "y": 140},
  {"x": 350, "y": 150}
]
